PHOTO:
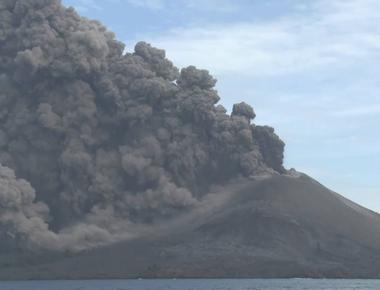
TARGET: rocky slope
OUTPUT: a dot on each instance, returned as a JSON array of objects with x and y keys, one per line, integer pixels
[{"x": 277, "y": 226}]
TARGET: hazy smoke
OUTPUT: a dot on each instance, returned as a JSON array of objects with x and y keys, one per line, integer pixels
[{"x": 107, "y": 141}]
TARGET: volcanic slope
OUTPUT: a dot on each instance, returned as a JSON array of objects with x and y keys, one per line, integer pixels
[{"x": 273, "y": 226}]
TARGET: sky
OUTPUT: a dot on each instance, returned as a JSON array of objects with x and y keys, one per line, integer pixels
[{"x": 308, "y": 68}]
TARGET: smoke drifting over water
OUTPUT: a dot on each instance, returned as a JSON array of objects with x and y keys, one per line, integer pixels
[{"x": 95, "y": 144}]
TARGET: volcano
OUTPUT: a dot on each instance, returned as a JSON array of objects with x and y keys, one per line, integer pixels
[
  {"x": 277, "y": 226},
  {"x": 117, "y": 164}
]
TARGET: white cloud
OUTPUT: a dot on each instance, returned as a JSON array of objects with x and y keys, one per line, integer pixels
[
  {"x": 365, "y": 111},
  {"x": 208, "y": 5},
  {"x": 325, "y": 34}
]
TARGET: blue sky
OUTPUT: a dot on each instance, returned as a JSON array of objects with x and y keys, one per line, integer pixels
[{"x": 309, "y": 68}]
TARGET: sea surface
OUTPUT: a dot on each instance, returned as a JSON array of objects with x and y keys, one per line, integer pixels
[{"x": 195, "y": 284}]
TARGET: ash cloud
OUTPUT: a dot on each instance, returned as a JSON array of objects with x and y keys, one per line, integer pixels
[{"x": 104, "y": 143}]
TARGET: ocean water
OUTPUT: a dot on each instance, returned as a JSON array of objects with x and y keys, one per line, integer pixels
[{"x": 195, "y": 284}]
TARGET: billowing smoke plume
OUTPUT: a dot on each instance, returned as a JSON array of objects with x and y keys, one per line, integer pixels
[{"x": 101, "y": 141}]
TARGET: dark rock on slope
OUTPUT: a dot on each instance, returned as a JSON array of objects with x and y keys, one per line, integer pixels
[{"x": 274, "y": 226}]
